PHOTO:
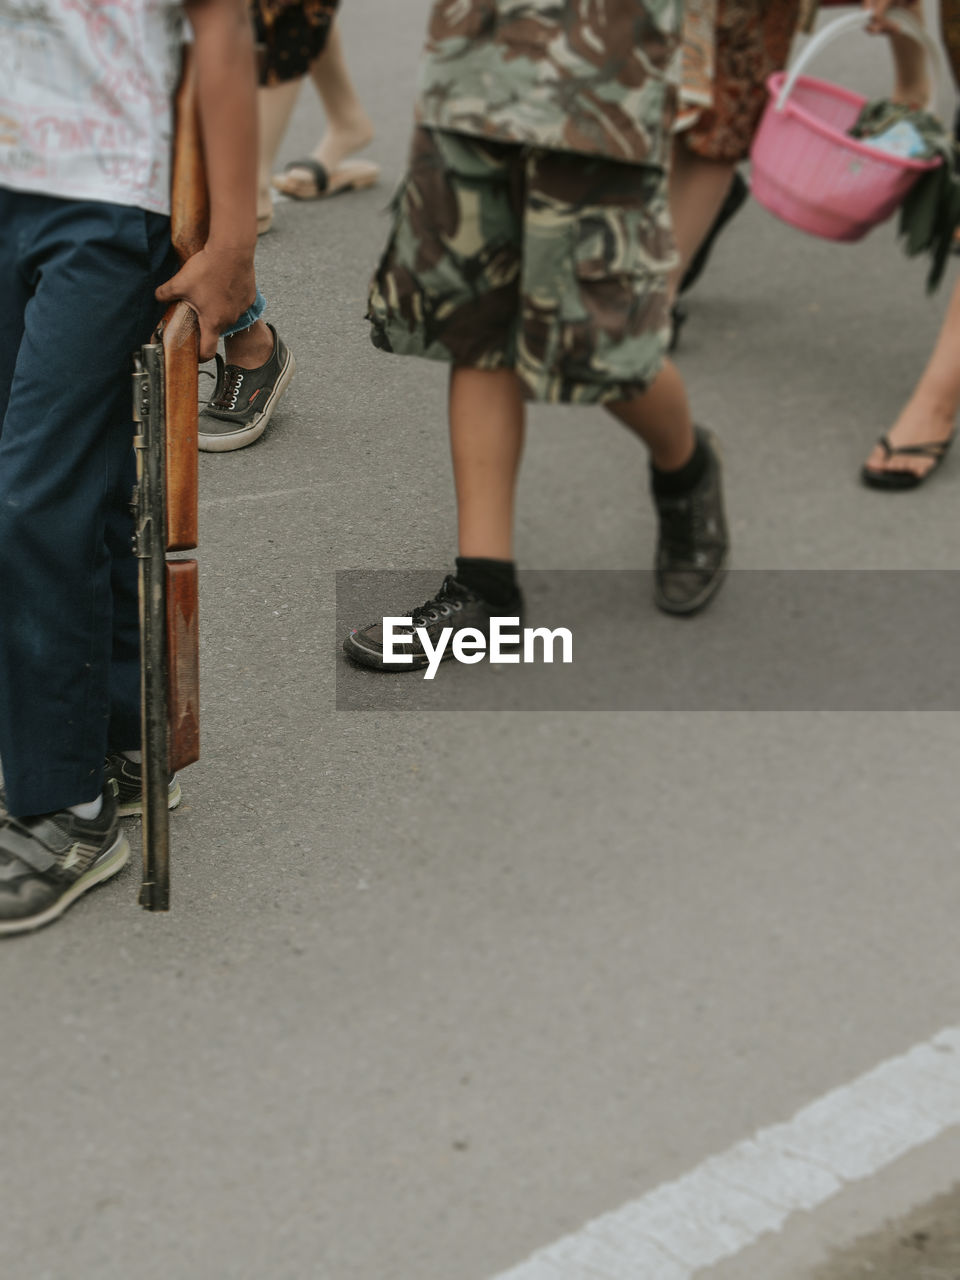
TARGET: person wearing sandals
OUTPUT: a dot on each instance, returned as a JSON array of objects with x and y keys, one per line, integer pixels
[
  {"x": 531, "y": 250},
  {"x": 918, "y": 442},
  {"x": 301, "y": 38}
]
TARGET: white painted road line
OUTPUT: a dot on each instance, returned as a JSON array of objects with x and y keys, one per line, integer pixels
[
  {"x": 231, "y": 499},
  {"x": 728, "y": 1202}
]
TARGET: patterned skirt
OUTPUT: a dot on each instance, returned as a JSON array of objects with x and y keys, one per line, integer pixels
[
  {"x": 293, "y": 33},
  {"x": 730, "y": 48}
]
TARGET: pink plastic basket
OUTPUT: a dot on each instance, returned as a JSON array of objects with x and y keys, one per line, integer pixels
[{"x": 806, "y": 169}]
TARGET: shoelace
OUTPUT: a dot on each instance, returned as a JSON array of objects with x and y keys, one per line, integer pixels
[
  {"x": 232, "y": 381},
  {"x": 685, "y": 527},
  {"x": 442, "y": 605}
]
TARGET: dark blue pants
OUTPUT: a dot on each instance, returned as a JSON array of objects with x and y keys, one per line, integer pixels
[{"x": 76, "y": 298}]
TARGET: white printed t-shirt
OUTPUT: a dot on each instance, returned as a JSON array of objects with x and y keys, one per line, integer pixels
[{"x": 85, "y": 98}]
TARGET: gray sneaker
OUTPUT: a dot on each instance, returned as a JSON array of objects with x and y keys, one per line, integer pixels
[
  {"x": 127, "y": 777},
  {"x": 244, "y": 400},
  {"x": 47, "y": 862}
]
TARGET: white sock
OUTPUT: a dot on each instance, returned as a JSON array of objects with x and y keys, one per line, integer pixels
[
  {"x": 87, "y": 811},
  {"x": 135, "y": 757}
]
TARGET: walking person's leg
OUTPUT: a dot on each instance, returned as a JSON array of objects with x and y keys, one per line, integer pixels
[
  {"x": 661, "y": 418},
  {"x": 557, "y": 292},
  {"x": 486, "y": 443},
  {"x": 88, "y": 272},
  {"x": 275, "y": 103},
  {"x": 462, "y": 307},
  {"x": 918, "y": 441},
  {"x": 487, "y": 419},
  {"x": 599, "y": 256},
  {"x": 686, "y": 485},
  {"x": 349, "y": 129},
  {"x": 698, "y": 189}
]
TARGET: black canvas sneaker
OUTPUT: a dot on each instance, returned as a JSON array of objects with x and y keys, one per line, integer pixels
[
  {"x": 244, "y": 400},
  {"x": 693, "y": 543},
  {"x": 127, "y": 776},
  {"x": 47, "y": 862},
  {"x": 454, "y": 606}
]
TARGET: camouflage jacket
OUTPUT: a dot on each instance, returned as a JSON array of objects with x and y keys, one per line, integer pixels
[{"x": 590, "y": 76}]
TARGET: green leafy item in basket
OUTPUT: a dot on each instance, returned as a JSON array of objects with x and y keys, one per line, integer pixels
[{"x": 930, "y": 213}]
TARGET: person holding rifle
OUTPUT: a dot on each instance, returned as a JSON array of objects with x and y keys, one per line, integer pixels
[{"x": 85, "y": 267}]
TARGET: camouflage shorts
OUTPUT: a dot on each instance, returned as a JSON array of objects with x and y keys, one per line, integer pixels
[{"x": 545, "y": 262}]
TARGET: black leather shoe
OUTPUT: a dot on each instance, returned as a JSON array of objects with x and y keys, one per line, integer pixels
[
  {"x": 454, "y": 606},
  {"x": 692, "y": 548}
]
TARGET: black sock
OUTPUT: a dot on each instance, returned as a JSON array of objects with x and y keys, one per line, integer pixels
[
  {"x": 671, "y": 484},
  {"x": 494, "y": 580}
]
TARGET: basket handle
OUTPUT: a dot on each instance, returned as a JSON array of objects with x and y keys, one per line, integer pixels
[{"x": 849, "y": 22}]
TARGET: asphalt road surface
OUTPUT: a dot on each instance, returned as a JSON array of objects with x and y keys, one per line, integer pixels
[
  {"x": 923, "y": 1246},
  {"x": 440, "y": 987}
]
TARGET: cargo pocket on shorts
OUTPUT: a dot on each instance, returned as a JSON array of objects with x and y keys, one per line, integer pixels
[
  {"x": 382, "y": 297},
  {"x": 623, "y": 257}
]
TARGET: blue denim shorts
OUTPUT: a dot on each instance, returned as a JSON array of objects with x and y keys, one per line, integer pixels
[{"x": 249, "y": 317}]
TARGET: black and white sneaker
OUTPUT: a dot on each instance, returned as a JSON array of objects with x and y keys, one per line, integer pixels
[
  {"x": 244, "y": 400},
  {"x": 693, "y": 544},
  {"x": 127, "y": 776},
  {"x": 47, "y": 862},
  {"x": 454, "y": 606}
]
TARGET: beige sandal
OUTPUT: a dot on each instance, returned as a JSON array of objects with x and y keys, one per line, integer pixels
[{"x": 351, "y": 175}]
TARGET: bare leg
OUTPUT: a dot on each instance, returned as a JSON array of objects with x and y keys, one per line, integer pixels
[
  {"x": 275, "y": 106},
  {"x": 250, "y": 348},
  {"x": 486, "y": 443},
  {"x": 929, "y": 414},
  {"x": 660, "y": 416},
  {"x": 698, "y": 189},
  {"x": 349, "y": 128}
]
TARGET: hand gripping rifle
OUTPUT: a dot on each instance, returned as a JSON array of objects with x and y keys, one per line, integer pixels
[{"x": 165, "y": 506}]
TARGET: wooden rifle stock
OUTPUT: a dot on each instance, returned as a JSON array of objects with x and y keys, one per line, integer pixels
[{"x": 165, "y": 406}]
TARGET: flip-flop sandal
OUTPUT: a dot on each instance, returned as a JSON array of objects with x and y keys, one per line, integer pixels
[
  {"x": 352, "y": 175},
  {"x": 900, "y": 479}
]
